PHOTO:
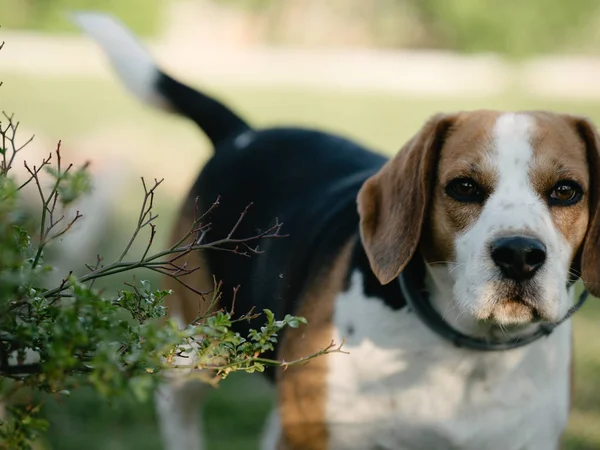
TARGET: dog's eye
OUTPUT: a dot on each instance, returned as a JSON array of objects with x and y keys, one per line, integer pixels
[
  {"x": 465, "y": 190},
  {"x": 565, "y": 193}
]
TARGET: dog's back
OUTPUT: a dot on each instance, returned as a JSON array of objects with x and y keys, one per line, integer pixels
[
  {"x": 305, "y": 179},
  {"x": 308, "y": 180}
]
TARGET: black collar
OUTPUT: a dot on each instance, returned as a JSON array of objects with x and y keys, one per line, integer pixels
[{"x": 417, "y": 298}]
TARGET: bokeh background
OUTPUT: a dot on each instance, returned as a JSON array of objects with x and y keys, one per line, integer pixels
[{"x": 373, "y": 70}]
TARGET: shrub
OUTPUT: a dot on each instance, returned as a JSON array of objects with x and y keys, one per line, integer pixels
[{"x": 54, "y": 339}]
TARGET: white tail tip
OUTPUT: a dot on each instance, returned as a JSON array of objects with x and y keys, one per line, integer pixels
[{"x": 130, "y": 59}]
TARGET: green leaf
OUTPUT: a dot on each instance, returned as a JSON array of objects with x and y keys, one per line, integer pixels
[
  {"x": 270, "y": 316},
  {"x": 294, "y": 322},
  {"x": 141, "y": 387}
]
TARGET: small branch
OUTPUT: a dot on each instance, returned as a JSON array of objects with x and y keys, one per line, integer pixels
[
  {"x": 49, "y": 204},
  {"x": 184, "y": 284},
  {"x": 331, "y": 348},
  {"x": 216, "y": 298},
  {"x": 145, "y": 216},
  {"x": 232, "y": 309},
  {"x": 63, "y": 286},
  {"x": 96, "y": 267},
  {"x": 10, "y": 148},
  {"x": 157, "y": 261},
  {"x": 34, "y": 173},
  {"x": 198, "y": 228},
  {"x": 67, "y": 228},
  {"x": 237, "y": 224},
  {"x": 150, "y": 241}
]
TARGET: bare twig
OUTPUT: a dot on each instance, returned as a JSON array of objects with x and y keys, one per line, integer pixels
[
  {"x": 237, "y": 224},
  {"x": 150, "y": 241},
  {"x": 68, "y": 227},
  {"x": 96, "y": 267},
  {"x": 35, "y": 171},
  {"x": 9, "y": 145},
  {"x": 145, "y": 216},
  {"x": 165, "y": 262},
  {"x": 233, "y": 299},
  {"x": 48, "y": 222}
]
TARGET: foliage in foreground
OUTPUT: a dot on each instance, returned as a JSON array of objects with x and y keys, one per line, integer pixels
[{"x": 54, "y": 339}]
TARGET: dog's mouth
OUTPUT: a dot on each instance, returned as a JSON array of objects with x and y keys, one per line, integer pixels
[
  {"x": 515, "y": 304},
  {"x": 514, "y": 312}
]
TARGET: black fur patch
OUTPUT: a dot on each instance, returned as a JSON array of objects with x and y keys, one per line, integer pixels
[{"x": 306, "y": 179}]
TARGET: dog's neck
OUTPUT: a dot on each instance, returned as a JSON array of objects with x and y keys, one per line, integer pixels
[{"x": 439, "y": 283}]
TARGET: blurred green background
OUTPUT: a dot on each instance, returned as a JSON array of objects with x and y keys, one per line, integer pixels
[
  {"x": 143, "y": 16},
  {"x": 96, "y": 120},
  {"x": 512, "y": 27}
]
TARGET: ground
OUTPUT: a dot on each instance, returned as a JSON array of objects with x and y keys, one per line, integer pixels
[{"x": 96, "y": 120}]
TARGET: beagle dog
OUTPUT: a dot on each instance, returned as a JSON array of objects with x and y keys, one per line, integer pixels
[{"x": 448, "y": 269}]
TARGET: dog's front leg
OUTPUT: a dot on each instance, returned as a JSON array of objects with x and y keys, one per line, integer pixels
[
  {"x": 177, "y": 407},
  {"x": 178, "y": 402}
]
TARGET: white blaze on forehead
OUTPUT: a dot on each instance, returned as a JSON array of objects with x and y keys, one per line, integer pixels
[
  {"x": 514, "y": 202},
  {"x": 512, "y": 147}
]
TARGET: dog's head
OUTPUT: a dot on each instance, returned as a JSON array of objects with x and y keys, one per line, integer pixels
[{"x": 508, "y": 201}]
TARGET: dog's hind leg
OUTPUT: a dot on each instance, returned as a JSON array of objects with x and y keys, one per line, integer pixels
[
  {"x": 177, "y": 405},
  {"x": 271, "y": 434},
  {"x": 179, "y": 399}
]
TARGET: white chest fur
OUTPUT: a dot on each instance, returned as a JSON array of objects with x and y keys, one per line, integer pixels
[{"x": 402, "y": 387}]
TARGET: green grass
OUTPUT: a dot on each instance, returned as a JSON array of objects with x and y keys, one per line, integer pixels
[
  {"x": 85, "y": 421},
  {"x": 82, "y": 110}
]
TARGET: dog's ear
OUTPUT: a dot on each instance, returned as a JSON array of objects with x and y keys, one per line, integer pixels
[
  {"x": 590, "y": 251},
  {"x": 393, "y": 203}
]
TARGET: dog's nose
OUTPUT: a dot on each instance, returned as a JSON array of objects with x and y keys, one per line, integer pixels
[{"x": 518, "y": 257}]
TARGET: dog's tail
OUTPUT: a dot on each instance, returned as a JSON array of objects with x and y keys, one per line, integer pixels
[{"x": 149, "y": 83}]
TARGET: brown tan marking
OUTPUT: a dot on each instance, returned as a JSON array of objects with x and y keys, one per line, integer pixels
[
  {"x": 569, "y": 145},
  {"x": 302, "y": 389},
  {"x": 463, "y": 155},
  {"x": 394, "y": 203},
  {"x": 560, "y": 154},
  {"x": 184, "y": 303},
  {"x": 590, "y": 255}
]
